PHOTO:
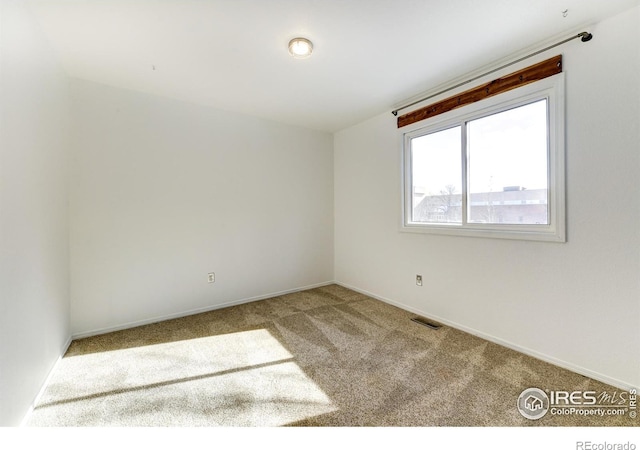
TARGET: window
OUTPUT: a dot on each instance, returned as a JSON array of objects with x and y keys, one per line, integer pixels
[{"x": 494, "y": 168}]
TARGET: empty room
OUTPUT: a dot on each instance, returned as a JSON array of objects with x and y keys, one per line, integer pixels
[{"x": 375, "y": 213}]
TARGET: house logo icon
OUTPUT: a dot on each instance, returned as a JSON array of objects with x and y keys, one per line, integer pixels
[{"x": 533, "y": 403}]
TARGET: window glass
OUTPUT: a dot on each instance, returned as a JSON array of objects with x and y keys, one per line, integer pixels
[
  {"x": 437, "y": 177},
  {"x": 508, "y": 177}
]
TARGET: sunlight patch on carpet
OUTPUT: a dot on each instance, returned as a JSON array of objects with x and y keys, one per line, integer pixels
[{"x": 246, "y": 378}]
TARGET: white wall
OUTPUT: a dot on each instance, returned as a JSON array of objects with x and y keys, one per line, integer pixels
[
  {"x": 578, "y": 303},
  {"x": 163, "y": 192},
  {"x": 34, "y": 257}
]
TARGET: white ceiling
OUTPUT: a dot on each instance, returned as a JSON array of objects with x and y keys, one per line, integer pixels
[{"x": 369, "y": 55}]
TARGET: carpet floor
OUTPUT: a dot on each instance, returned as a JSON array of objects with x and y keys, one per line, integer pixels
[{"x": 323, "y": 357}]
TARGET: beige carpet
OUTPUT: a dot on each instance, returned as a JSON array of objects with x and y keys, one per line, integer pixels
[{"x": 323, "y": 357}]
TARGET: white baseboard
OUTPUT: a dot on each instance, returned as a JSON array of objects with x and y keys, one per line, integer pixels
[
  {"x": 527, "y": 351},
  {"x": 45, "y": 383},
  {"x": 191, "y": 312}
]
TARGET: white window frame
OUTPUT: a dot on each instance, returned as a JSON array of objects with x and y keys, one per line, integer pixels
[{"x": 551, "y": 89}]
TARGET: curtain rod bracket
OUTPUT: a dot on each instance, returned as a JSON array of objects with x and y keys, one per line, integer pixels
[{"x": 584, "y": 36}]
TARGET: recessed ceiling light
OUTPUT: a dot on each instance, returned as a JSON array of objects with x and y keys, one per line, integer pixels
[{"x": 300, "y": 47}]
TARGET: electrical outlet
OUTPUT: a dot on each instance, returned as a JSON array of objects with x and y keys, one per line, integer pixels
[
  {"x": 419, "y": 280},
  {"x": 211, "y": 277}
]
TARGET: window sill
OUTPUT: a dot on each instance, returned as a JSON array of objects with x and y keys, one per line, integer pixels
[{"x": 533, "y": 233}]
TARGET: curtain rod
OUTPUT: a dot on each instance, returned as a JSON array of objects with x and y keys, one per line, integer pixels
[{"x": 585, "y": 37}]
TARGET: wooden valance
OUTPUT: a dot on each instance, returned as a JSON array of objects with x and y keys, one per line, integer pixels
[{"x": 536, "y": 72}]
